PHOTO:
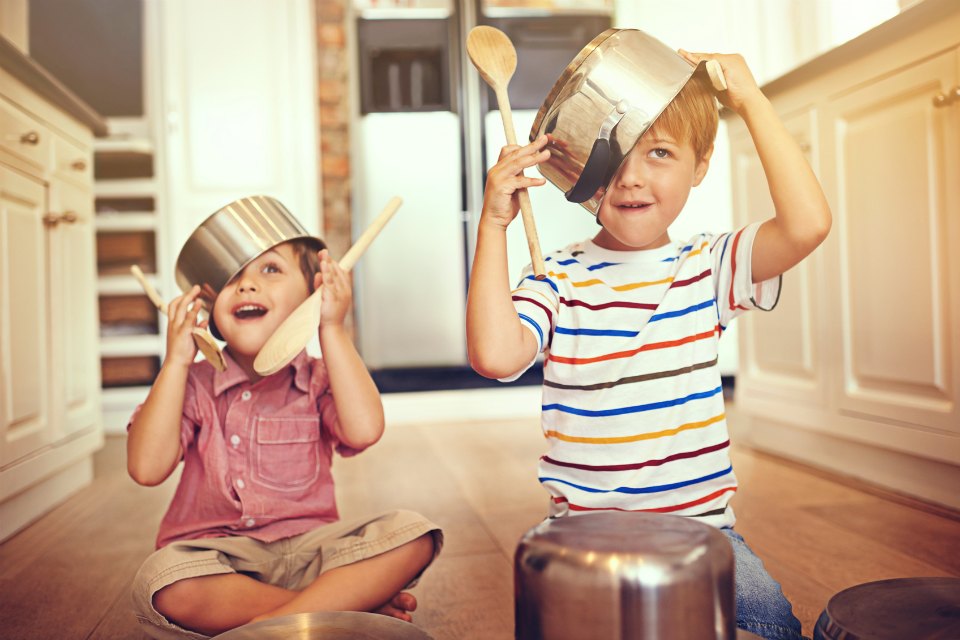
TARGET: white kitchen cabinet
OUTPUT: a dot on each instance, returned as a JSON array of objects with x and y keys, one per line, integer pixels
[
  {"x": 25, "y": 331},
  {"x": 49, "y": 372},
  {"x": 858, "y": 371},
  {"x": 893, "y": 176},
  {"x": 781, "y": 352}
]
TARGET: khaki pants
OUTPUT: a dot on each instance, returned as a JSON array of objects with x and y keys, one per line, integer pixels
[{"x": 291, "y": 563}]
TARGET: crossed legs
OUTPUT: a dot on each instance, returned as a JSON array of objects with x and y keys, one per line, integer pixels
[{"x": 214, "y": 604}]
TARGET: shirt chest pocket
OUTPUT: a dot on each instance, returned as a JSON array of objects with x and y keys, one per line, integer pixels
[{"x": 287, "y": 454}]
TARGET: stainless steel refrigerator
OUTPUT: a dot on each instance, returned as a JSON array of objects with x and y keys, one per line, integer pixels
[{"x": 426, "y": 128}]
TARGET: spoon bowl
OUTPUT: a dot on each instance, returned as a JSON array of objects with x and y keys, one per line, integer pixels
[
  {"x": 204, "y": 340},
  {"x": 495, "y": 58}
]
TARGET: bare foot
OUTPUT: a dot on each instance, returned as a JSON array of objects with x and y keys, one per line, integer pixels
[{"x": 399, "y": 607}]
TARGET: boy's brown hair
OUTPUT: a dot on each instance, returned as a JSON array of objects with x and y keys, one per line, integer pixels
[
  {"x": 305, "y": 249},
  {"x": 693, "y": 115}
]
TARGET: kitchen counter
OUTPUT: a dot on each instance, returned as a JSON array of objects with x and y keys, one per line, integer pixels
[{"x": 29, "y": 72}]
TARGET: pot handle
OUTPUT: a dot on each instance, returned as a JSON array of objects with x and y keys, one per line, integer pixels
[
  {"x": 593, "y": 174},
  {"x": 595, "y": 170}
]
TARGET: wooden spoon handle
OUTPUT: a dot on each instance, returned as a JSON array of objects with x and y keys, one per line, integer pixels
[
  {"x": 715, "y": 73},
  {"x": 149, "y": 290},
  {"x": 353, "y": 254},
  {"x": 202, "y": 337},
  {"x": 526, "y": 209}
]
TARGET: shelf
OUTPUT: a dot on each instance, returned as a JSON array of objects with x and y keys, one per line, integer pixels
[
  {"x": 126, "y": 221},
  {"x": 125, "y": 188},
  {"x": 118, "y": 405},
  {"x": 138, "y": 345},
  {"x": 123, "y": 285},
  {"x": 123, "y": 146}
]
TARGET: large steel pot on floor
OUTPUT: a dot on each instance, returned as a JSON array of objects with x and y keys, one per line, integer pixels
[{"x": 618, "y": 576}]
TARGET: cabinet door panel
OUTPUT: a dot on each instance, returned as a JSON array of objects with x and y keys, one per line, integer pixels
[
  {"x": 895, "y": 173},
  {"x": 24, "y": 330},
  {"x": 779, "y": 350},
  {"x": 73, "y": 312}
]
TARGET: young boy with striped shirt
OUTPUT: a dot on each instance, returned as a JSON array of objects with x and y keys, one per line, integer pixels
[{"x": 629, "y": 322}]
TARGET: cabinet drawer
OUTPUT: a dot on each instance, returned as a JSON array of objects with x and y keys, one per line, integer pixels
[
  {"x": 23, "y": 136},
  {"x": 132, "y": 371},
  {"x": 116, "y": 251},
  {"x": 130, "y": 313},
  {"x": 71, "y": 161}
]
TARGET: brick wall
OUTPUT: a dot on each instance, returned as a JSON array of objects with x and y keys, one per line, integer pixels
[
  {"x": 332, "y": 70},
  {"x": 334, "y": 114}
]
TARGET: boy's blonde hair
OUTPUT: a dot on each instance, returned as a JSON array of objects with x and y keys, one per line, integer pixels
[{"x": 693, "y": 115}]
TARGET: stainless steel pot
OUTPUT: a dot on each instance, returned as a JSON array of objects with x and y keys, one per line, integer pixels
[
  {"x": 915, "y": 608},
  {"x": 232, "y": 237},
  {"x": 618, "y": 576},
  {"x": 328, "y": 625},
  {"x": 600, "y": 106}
]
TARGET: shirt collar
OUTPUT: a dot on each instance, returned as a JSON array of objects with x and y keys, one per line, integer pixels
[{"x": 234, "y": 375}]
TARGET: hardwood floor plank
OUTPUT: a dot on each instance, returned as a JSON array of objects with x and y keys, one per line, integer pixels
[
  {"x": 468, "y": 598},
  {"x": 79, "y": 559},
  {"x": 498, "y": 474},
  {"x": 403, "y": 472}
]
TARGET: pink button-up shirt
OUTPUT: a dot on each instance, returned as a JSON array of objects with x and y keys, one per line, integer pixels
[{"x": 256, "y": 456}]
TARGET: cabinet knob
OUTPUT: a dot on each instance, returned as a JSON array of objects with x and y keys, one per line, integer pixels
[
  {"x": 30, "y": 137},
  {"x": 948, "y": 98},
  {"x": 78, "y": 165},
  {"x": 67, "y": 217}
]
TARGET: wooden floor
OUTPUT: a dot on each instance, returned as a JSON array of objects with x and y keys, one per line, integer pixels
[{"x": 68, "y": 575}]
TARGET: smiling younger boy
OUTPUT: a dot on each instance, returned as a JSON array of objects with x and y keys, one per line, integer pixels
[
  {"x": 630, "y": 320},
  {"x": 252, "y": 531}
]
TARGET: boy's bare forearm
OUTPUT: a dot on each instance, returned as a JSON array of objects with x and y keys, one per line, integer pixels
[
  {"x": 153, "y": 443},
  {"x": 803, "y": 216},
  {"x": 497, "y": 343},
  {"x": 355, "y": 395}
]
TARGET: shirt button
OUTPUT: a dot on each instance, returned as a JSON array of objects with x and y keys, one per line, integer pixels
[
  {"x": 235, "y": 440},
  {"x": 245, "y": 395},
  {"x": 241, "y": 484},
  {"x": 250, "y": 522}
]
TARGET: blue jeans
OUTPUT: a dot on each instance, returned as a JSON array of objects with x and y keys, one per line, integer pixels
[{"x": 761, "y": 606}]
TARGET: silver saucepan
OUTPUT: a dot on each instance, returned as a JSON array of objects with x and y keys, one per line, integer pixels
[
  {"x": 600, "y": 106},
  {"x": 232, "y": 237}
]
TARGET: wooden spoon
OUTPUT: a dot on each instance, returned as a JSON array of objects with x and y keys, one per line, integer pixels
[
  {"x": 715, "y": 73},
  {"x": 204, "y": 340},
  {"x": 295, "y": 332},
  {"x": 493, "y": 55}
]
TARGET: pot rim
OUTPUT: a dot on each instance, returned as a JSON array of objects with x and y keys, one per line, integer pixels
[
  {"x": 570, "y": 69},
  {"x": 224, "y": 210}
]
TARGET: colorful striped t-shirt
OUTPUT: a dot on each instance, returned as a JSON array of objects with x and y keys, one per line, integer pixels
[{"x": 632, "y": 402}]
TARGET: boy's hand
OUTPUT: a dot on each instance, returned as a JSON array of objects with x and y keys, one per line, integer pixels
[
  {"x": 181, "y": 320},
  {"x": 337, "y": 292},
  {"x": 742, "y": 88},
  {"x": 500, "y": 200}
]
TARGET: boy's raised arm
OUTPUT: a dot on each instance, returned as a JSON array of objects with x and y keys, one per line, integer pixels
[
  {"x": 803, "y": 216},
  {"x": 497, "y": 343},
  {"x": 355, "y": 395},
  {"x": 153, "y": 442}
]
